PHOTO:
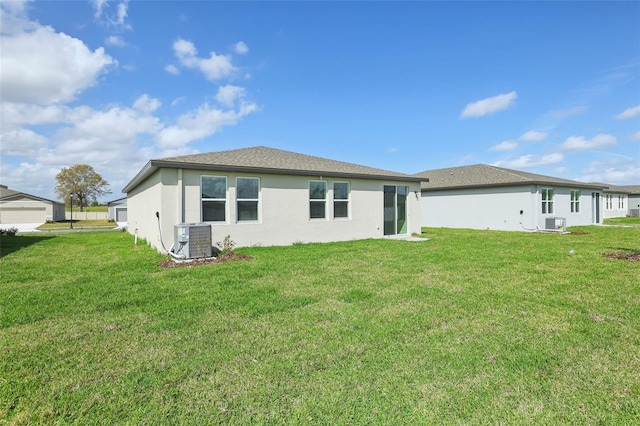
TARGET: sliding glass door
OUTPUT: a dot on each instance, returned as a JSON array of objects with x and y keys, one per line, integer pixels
[{"x": 395, "y": 209}]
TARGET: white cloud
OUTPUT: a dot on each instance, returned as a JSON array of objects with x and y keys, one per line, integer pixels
[
  {"x": 635, "y": 137},
  {"x": 13, "y": 115},
  {"x": 241, "y": 48},
  {"x": 21, "y": 142},
  {"x": 629, "y": 113},
  {"x": 98, "y": 6},
  {"x": 227, "y": 95},
  {"x": 43, "y": 70},
  {"x": 531, "y": 160},
  {"x": 198, "y": 124},
  {"x": 116, "y": 41},
  {"x": 13, "y": 17},
  {"x": 107, "y": 16},
  {"x": 44, "y": 66},
  {"x": 177, "y": 100},
  {"x": 564, "y": 113},
  {"x": 504, "y": 146},
  {"x": 109, "y": 140},
  {"x": 214, "y": 67},
  {"x": 616, "y": 171},
  {"x": 533, "y": 136},
  {"x": 147, "y": 104},
  {"x": 489, "y": 105},
  {"x": 172, "y": 69},
  {"x": 105, "y": 134},
  {"x": 579, "y": 143}
]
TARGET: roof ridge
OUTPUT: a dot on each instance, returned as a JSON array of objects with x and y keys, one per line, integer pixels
[{"x": 509, "y": 171}]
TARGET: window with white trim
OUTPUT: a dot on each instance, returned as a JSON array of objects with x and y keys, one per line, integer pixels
[
  {"x": 213, "y": 193},
  {"x": 621, "y": 198},
  {"x": 317, "y": 199},
  {"x": 341, "y": 192},
  {"x": 608, "y": 201},
  {"x": 575, "y": 201},
  {"x": 547, "y": 200},
  {"x": 247, "y": 199}
]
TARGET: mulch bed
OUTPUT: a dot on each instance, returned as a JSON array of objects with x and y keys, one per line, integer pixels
[
  {"x": 228, "y": 257},
  {"x": 631, "y": 256}
]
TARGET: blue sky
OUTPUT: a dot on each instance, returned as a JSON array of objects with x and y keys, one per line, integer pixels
[{"x": 546, "y": 87}]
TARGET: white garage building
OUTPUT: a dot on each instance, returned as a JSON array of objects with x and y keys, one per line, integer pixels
[{"x": 17, "y": 207}]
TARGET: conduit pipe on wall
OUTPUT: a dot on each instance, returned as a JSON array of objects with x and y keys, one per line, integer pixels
[{"x": 170, "y": 251}]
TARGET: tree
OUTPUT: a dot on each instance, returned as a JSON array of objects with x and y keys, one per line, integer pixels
[{"x": 83, "y": 182}]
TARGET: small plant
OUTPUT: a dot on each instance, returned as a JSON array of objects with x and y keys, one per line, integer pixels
[
  {"x": 226, "y": 246},
  {"x": 10, "y": 232}
]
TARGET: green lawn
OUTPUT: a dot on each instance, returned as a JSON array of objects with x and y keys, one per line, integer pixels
[
  {"x": 626, "y": 221},
  {"x": 78, "y": 225},
  {"x": 470, "y": 327}
]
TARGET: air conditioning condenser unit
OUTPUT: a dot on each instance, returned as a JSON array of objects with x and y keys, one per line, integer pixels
[
  {"x": 555, "y": 224},
  {"x": 192, "y": 240}
]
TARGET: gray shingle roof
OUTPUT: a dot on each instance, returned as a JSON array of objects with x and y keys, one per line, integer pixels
[
  {"x": 624, "y": 189},
  {"x": 263, "y": 159},
  {"x": 482, "y": 175},
  {"x": 633, "y": 189},
  {"x": 8, "y": 194}
]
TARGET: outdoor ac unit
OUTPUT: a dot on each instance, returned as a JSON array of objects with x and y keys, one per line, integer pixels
[
  {"x": 193, "y": 240},
  {"x": 555, "y": 224}
]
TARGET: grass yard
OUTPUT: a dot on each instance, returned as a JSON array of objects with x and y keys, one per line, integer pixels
[
  {"x": 623, "y": 221},
  {"x": 471, "y": 327},
  {"x": 78, "y": 225}
]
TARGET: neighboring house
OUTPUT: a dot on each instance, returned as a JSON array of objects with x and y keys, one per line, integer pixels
[
  {"x": 18, "y": 207},
  {"x": 482, "y": 196},
  {"x": 266, "y": 196},
  {"x": 620, "y": 201},
  {"x": 117, "y": 210},
  {"x": 634, "y": 200}
]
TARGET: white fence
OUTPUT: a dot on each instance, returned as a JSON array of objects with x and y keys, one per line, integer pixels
[{"x": 78, "y": 215}]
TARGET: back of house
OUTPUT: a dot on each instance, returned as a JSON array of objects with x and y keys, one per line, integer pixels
[
  {"x": 488, "y": 197},
  {"x": 266, "y": 196}
]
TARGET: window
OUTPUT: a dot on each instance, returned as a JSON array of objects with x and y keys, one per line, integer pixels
[
  {"x": 608, "y": 201},
  {"x": 575, "y": 201},
  {"x": 214, "y": 198},
  {"x": 247, "y": 192},
  {"x": 547, "y": 200},
  {"x": 621, "y": 202},
  {"x": 317, "y": 199},
  {"x": 340, "y": 199}
]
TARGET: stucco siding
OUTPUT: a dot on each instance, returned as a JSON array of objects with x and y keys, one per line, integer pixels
[
  {"x": 634, "y": 205},
  {"x": 28, "y": 210},
  {"x": 509, "y": 208},
  {"x": 562, "y": 207},
  {"x": 283, "y": 209},
  {"x": 481, "y": 208},
  {"x": 142, "y": 203},
  {"x": 615, "y": 209}
]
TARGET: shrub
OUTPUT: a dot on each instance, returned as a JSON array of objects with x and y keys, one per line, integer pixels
[
  {"x": 10, "y": 232},
  {"x": 226, "y": 246}
]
